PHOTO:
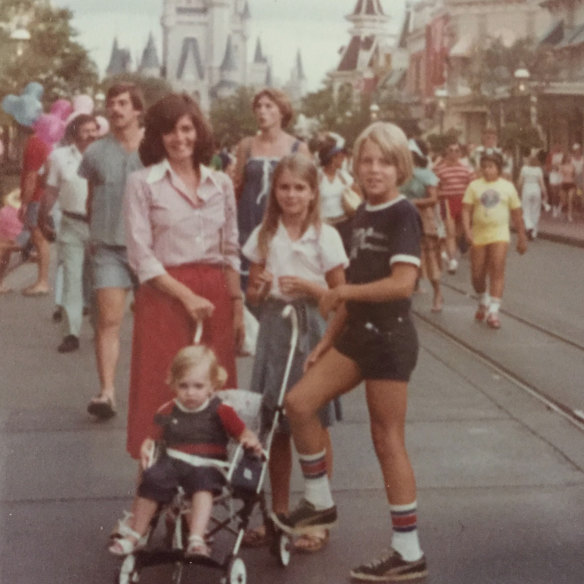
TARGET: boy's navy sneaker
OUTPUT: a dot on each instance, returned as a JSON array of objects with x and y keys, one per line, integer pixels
[
  {"x": 305, "y": 518},
  {"x": 391, "y": 568}
]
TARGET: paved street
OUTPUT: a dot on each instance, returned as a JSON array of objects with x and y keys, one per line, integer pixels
[{"x": 500, "y": 474}]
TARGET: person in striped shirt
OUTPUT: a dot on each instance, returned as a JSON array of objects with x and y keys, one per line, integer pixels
[{"x": 454, "y": 177}]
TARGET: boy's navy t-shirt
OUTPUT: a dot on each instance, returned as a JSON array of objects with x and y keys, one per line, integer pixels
[{"x": 382, "y": 235}]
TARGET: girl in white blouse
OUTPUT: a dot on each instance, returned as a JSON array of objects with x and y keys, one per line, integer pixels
[{"x": 295, "y": 258}]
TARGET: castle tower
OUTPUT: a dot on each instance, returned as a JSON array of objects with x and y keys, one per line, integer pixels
[
  {"x": 205, "y": 45},
  {"x": 187, "y": 62}
]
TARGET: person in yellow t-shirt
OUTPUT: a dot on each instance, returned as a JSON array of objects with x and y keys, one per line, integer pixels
[{"x": 488, "y": 204}]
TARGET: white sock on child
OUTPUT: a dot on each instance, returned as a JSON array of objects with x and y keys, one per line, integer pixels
[{"x": 494, "y": 305}]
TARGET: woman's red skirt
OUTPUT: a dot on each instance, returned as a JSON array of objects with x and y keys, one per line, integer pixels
[{"x": 162, "y": 327}]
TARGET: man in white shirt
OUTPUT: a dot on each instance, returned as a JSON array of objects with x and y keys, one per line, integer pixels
[{"x": 65, "y": 185}]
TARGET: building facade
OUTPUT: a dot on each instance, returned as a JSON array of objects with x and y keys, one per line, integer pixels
[
  {"x": 560, "y": 101},
  {"x": 442, "y": 39},
  {"x": 367, "y": 56}
]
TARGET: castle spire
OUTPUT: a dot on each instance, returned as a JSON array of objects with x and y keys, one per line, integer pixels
[
  {"x": 229, "y": 63},
  {"x": 259, "y": 56},
  {"x": 368, "y": 8},
  {"x": 300, "y": 67},
  {"x": 150, "y": 61},
  {"x": 246, "y": 14}
]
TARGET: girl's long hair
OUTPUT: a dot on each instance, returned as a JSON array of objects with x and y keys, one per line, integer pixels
[{"x": 302, "y": 167}]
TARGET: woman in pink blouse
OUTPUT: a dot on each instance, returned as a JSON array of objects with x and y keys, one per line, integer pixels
[{"x": 181, "y": 231}]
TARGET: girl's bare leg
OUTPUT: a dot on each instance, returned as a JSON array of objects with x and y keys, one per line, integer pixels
[
  {"x": 496, "y": 259},
  {"x": 570, "y": 203},
  {"x": 478, "y": 268},
  {"x": 280, "y": 469}
]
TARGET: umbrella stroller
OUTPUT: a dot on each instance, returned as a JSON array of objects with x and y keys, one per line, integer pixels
[{"x": 243, "y": 490}]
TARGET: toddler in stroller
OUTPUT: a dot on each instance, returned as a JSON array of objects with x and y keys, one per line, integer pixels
[{"x": 194, "y": 428}]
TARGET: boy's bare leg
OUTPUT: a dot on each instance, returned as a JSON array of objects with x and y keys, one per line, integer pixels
[{"x": 387, "y": 403}]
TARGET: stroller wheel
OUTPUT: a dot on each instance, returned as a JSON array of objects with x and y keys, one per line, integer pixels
[
  {"x": 236, "y": 572},
  {"x": 284, "y": 547},
  {"x": 128, "y": 573}
]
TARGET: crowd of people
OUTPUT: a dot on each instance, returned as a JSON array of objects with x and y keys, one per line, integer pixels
[{"x": 346, "y": 237}]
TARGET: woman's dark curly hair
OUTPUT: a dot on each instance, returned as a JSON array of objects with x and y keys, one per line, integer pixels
[{"x": 161, "y": 118}]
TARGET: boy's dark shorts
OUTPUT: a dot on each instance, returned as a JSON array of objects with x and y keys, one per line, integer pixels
[
  {"x": 389, "y": 353},
  {"x": 161, "y": 480}
]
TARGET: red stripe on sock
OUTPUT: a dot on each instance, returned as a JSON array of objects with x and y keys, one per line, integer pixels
[{"x": 313, "y": 468}]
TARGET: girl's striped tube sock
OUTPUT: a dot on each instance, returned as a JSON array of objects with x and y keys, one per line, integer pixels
[{"x": 317, "y": 489}]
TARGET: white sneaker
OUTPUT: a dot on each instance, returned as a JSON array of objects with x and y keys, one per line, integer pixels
[{"x": 452, "y": 266}]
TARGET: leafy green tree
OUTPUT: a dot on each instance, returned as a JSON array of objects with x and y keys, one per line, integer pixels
[
  {"x": 493, "y": 65},
  {"x": 342, "y": 115},
  {"x": 491, "y": 77},
  {"x": 232, "y": 117},
  {"x": 52, "y": 56}
]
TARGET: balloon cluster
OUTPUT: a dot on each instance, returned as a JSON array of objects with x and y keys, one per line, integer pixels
[{"x": 27, "y": 110}]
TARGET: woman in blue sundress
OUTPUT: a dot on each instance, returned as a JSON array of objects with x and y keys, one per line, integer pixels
[{"x": 257, "y": 157}]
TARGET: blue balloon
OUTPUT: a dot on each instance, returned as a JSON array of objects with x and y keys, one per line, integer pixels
[
  {"x": 26, "y": 108},
  {"x": 35, "y": 89}
]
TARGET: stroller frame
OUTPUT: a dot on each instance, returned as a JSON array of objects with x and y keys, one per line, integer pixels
[{"x": 245, "y": 476}]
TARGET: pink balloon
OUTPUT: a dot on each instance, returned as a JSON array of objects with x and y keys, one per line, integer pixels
[
  {"x": 62, "y": 109},
  {"x": 49, "y": 128},
  {"x": 82, "y": 104}
]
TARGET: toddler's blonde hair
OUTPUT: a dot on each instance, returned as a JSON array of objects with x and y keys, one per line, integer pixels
[{"x": 192, "y": 356}]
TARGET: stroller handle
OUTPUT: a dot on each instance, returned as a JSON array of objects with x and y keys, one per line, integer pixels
[{"x": 198, "y": 332}]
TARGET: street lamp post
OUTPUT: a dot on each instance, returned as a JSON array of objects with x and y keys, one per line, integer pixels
[
  {"x": 20, "y": 37},
  {"x": 441, "y": 96},
  {"x": 524, "y": 85}
]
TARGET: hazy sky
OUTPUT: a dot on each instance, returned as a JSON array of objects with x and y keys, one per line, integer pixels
[{"x": 316, "y": 27}]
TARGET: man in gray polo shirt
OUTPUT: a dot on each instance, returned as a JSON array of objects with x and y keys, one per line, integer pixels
[{"x": 106, "y": 165}]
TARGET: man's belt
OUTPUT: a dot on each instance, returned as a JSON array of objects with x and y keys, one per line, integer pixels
[{"x": 76, "y": 216}]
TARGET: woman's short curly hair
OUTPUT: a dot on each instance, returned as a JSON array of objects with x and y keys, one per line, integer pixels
[
  {"x": 280, "y": 99},
  {"x": 161, "y": 118}
]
